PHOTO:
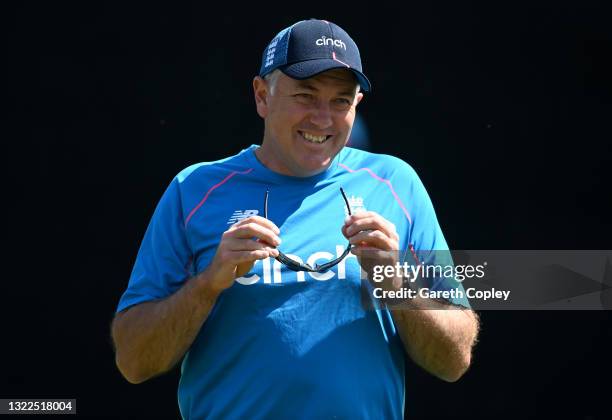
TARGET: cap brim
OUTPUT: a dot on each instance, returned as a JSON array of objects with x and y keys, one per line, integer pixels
[{"x": 306, "y": 69}]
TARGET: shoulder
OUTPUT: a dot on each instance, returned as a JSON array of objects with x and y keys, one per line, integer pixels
[
  {"x": 377, "y": 165},
  {"x": 212, "y": 171}
]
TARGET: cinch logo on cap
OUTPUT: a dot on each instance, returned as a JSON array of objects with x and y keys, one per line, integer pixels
[
  {"x": 329, "y": 41},
  {"x": 296, "y": 50}
]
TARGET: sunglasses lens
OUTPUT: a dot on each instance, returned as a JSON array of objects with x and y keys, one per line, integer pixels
[
  {"x": 330, "y": 264},
  {"x": 291, "y": 264},
  {"x": 298, "y": 266}
]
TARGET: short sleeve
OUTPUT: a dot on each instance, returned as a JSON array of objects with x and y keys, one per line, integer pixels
[
  {"x": 164, "y": 259},
  {"x": 427, "y": 244}
]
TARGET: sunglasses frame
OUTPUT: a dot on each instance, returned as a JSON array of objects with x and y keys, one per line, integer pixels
[{"x": 298, "y": 266}]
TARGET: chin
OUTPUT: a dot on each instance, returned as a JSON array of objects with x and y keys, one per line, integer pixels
[{"x": 313, "y": 168}]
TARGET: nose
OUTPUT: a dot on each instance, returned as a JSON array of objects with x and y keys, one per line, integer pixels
[{"x": 321, "y": 116}]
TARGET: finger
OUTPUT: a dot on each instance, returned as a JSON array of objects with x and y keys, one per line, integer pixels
[
  {"x": 254, "y": 230},
  {"x": 240, "y": 257},
  {"x": 228, "y": 258},
  {"x": 375, "y": 222},
  {"x": 357, "y": 225},
  {"x": 372, "y": 221},
  {"x": 344, "y": 232},
  {"x": 385, "y": 225},
  {"x": 375, "y": 239},
  {"x": 244, "y": 244},
  {"x": 361, "y": 215},
  {"x": 260, "y": 221},
  {"x": 371, "y": 254}
]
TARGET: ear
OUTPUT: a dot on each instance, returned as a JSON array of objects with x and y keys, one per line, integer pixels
[
  {"x": 359, "y": 97},
  {"x": 260, "y": 90}
]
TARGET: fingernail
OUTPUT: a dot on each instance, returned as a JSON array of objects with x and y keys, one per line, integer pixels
[{"x": 347, "y": 219}]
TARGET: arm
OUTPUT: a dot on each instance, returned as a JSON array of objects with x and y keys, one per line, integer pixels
[
  {"x": 151, "y": 337},
  {"x": 438, "y": 340}
]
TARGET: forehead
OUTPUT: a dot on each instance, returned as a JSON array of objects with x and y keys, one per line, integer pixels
[{"x": 336, "y": 78}]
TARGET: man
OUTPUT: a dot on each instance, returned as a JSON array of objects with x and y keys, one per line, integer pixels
[{"x": 211, "y": 285}]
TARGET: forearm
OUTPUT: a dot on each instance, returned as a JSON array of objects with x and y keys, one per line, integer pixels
[
  {"x": 438, "y": 340},
  {"x": 150, "y": 338}
]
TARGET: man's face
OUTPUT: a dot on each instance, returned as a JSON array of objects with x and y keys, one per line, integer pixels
[{"x": 307, "y": 122}]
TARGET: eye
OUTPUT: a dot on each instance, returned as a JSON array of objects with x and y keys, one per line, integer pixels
[
  {"x": 342, "y": 104},
  {"x": 343, "y": 101},
  {"x": 304, "y": 97}
]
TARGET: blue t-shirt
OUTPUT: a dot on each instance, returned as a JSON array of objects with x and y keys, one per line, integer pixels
[{"x": 281, "y": 344}]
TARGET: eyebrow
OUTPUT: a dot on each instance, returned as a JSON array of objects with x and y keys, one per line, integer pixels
[{"x": 308, "y": 86}]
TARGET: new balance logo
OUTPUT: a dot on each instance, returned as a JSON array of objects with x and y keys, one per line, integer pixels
[
  {"x": 239, "y": 215},
  {"x": 329, "y": 41}
]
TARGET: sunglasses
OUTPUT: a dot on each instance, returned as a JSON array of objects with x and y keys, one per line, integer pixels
[{"x": 298, "y": 266}]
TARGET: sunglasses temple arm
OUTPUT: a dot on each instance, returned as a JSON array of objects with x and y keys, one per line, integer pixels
[
  {"x": 330, "y": 264},
  {"x": 348, "y": 206},
  {"x": 266, "y": 204}
]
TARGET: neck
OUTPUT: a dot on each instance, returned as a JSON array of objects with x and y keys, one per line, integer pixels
[{"x": 270, "y": 158}]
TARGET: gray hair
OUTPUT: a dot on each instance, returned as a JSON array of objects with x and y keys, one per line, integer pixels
[{"x": 271, "y": 79}]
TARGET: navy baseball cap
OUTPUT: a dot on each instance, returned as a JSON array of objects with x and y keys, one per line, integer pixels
[{"x": 310, "y": 47}]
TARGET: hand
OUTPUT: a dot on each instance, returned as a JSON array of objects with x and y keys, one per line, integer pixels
[
  {"x": 251, "y": 239},
  {"x": 375, "y": 242}
]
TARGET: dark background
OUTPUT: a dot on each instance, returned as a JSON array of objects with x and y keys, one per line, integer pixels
[{"x": 503, "y": 110}]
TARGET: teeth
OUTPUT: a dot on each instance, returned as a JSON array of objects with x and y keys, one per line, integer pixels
[{"x": 313, "y": 138}]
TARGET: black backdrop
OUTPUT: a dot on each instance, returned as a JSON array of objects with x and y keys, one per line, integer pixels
[{"x": 503, "y": 110}]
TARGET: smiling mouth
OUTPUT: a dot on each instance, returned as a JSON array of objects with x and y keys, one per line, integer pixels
[{"x": 311, "y": 138}]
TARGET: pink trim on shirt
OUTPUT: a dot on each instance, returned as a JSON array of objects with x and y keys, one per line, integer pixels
[
  {"x": 384, "y": 181},
  {"x": 227, "y": 178}
]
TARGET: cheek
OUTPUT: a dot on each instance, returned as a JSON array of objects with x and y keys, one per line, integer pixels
[
  {"x": 345, "y": 124},
  {"x": 286, "y": 118},
  {"x": 349, "y": 119},
  {"x": 278, "y": 123}
]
